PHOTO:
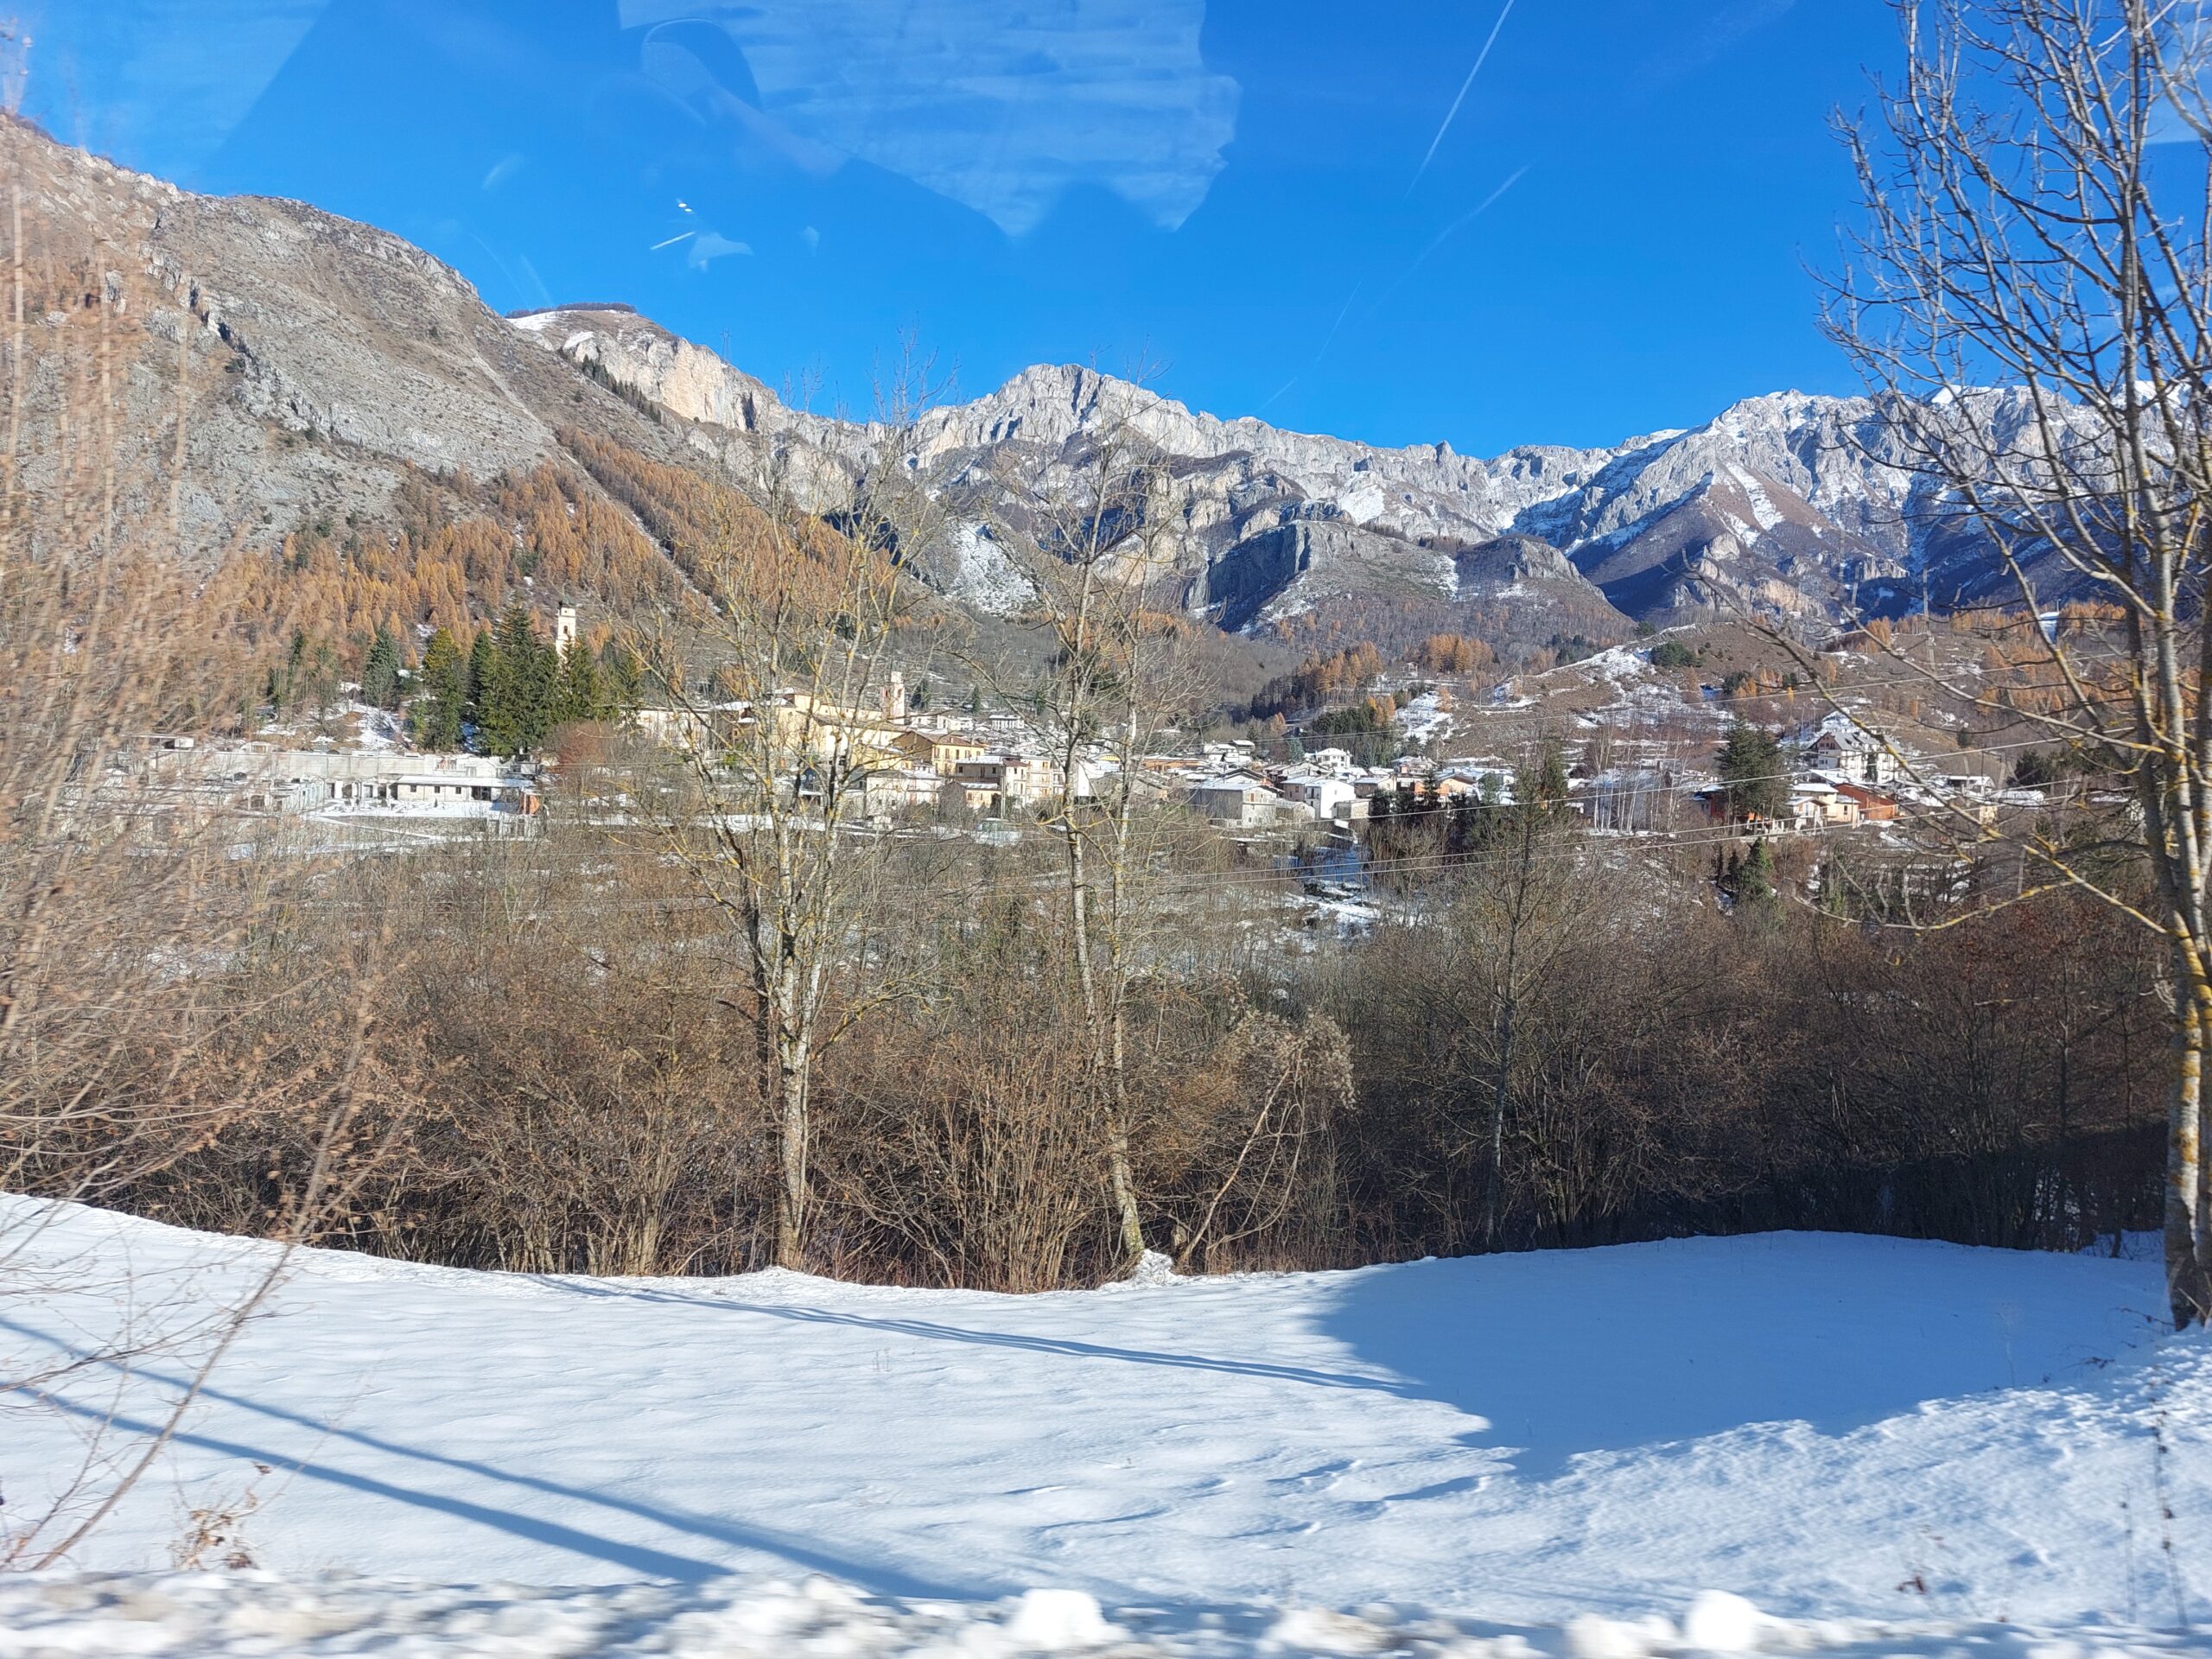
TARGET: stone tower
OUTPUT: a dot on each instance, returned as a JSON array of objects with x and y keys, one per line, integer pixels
[{"x": 564, "y": 629}]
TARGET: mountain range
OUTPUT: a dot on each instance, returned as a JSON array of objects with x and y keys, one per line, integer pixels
[{"x": 322, "y": 370}]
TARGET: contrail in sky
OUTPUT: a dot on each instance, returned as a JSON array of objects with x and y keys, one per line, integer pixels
[
  {"x": 1343, "y": 311},
  {"x": 1451, "y": 231},
  {"x": 1452, "y": 114},
  {"x": 1435, "y": 242}
]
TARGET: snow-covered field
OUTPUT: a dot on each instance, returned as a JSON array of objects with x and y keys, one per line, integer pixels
[
  {"x": 188, "y": 1616},
  {"x": 1842, "y": 1429}
]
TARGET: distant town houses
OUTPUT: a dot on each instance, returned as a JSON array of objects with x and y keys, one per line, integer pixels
[
  {"x": 1842, "y": 773},
  {"x": 1327, "y": 797},
  {"x": 1819, "y": 804},
  {"x": 1874, "y": 807},
  {"x": 1243, "y": 799}
]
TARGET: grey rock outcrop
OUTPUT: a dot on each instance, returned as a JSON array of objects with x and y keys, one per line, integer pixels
[{"x": 1782, "y": 504}]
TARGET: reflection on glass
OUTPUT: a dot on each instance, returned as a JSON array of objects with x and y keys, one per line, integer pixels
[{"x": 1000, "y": 107}]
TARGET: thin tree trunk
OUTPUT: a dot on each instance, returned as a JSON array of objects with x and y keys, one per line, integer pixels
[
  {"x": 1122, "y": 1179},
  {"x": 2189, "y": 1286},
  {"x": 1507, "y": 1009},
  {"x": 1497, "y": 1121},
  {"x": 1123, "y": 1184},
  {"x": 1117, "y": 1055},
  {"x": 790, "y": 1191},
  {"x": 2203, "y": 1277},
  {"x": 1104, "y": 1046}
]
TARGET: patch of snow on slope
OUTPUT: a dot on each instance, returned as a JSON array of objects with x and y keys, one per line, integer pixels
[
  {"x": 988, "y": 580},
  {"x": 1839, "y": 1427},
  {"x": 1423, "y": 719},
  {"x": 1763, "y": 507},
  {"x": 1362, "y": 502}
]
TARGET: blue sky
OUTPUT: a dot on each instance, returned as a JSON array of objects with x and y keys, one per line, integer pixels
[{"x": 1302, "y": 209}]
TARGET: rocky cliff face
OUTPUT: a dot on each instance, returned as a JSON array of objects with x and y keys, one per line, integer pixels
[
  {"x": 1782, "y": 505},
  {"x": 322, "y": 366},
  {"x": 316, "y": 368}
]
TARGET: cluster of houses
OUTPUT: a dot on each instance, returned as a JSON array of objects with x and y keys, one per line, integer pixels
[
  {"x": 1842, "y": 773},
  {"x": 905, "y": 761},
  {"x": 908, "y": 762},
  {"x": 1846, "y": 773},
  {"x": 901, "y": 759},
  {"x": 1227, "y": 785}
]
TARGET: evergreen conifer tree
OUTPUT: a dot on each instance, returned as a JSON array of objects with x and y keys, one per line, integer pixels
[
  {"x": 1751, "y": 773},
  {"x": 579, "y": 697},
  {"x": 380, "y": 671},
  {"x": 442, "y": 701},
  {"x": 519, "y": 692},
  {"x": 483, "y": 669},
  {"x": 1755, "y": 885},
  {"x": 621, "y": 678}
]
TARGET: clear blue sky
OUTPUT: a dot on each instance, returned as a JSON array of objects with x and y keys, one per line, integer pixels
[{"x": 1263, "y": 199}]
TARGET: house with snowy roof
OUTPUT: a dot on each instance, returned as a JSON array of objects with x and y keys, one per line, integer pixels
[{"x": 1857, "y": 753}]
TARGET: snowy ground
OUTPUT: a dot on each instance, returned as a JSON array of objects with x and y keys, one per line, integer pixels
[
  {"x": 198, "y": 1615},
  {"x": 1839, "y": 1428}
]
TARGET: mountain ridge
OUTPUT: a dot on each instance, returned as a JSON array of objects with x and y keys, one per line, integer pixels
[
  {"x": 1680, "y": 521},
  {"x": 344, "y": 367}
]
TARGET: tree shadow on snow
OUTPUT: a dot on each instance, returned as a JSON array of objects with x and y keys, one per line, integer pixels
[
  {"x": 1564, "y": 1352},
  {"x": 1023, "y": 1341},
  {"x": 522, "y": 1520}
]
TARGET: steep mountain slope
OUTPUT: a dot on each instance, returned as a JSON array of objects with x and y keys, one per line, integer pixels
[
  {"x": 309, "y": 372},
  {"x": 326, "y": 374}
]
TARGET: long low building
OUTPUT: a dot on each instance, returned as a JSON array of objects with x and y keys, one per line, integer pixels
[{"x": 258, "y": 779}]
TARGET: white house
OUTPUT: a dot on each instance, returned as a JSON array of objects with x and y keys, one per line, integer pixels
[
  {"x": 267, "y": 779},
  {"x": 1817, "y": 803},
  {"x": 1329, "y": 795},
  {"x": 886, "y": 790},
  {"x": 1858, "y": 753}
]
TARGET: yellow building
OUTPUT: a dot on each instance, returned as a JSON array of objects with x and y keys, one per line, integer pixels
[{"x": 941, "y": 751}]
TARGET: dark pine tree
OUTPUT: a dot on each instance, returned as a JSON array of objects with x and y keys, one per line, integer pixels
[
  {"x": 1753, "y": 780},
  {"x": 380, "y": 671},
  {"x": 441, "y": 701},
  {"x": 482, "y": 671}
]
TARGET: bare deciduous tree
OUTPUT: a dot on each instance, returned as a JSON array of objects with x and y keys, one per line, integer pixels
[
  {"x": 2030, "y": 296},
  {"x": 1097, "y": 536},
  {"x": 137, "y": 1024},
  {"x": 781, "y": 713}
]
